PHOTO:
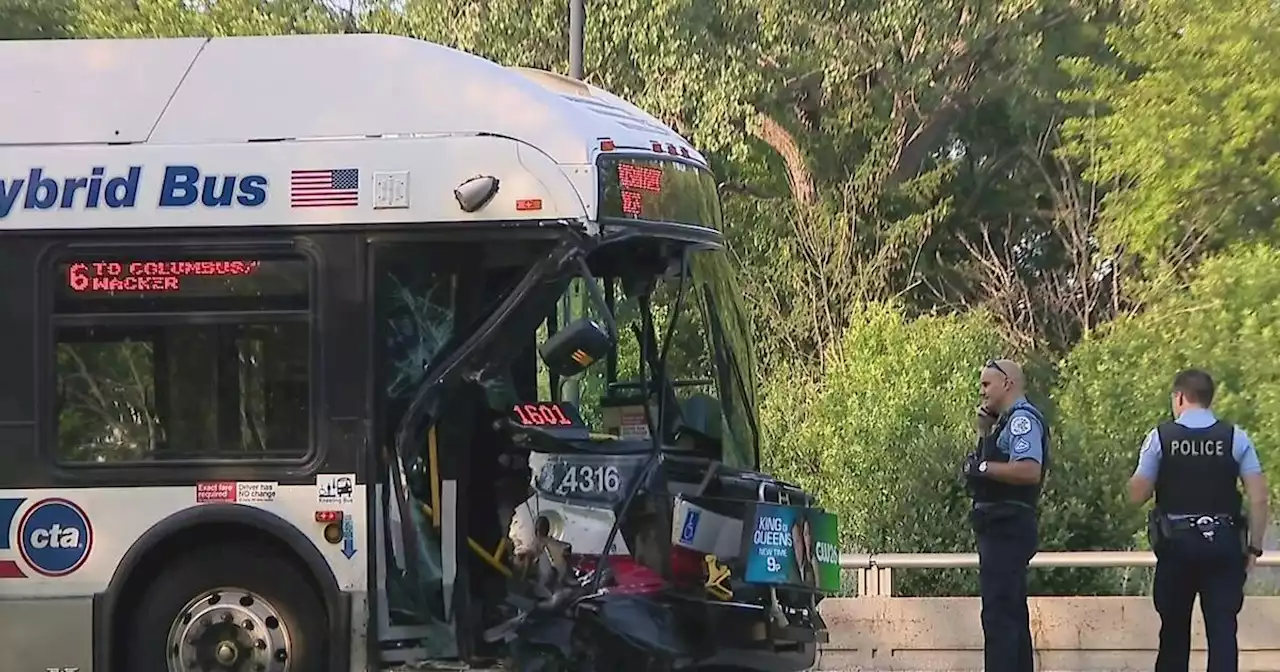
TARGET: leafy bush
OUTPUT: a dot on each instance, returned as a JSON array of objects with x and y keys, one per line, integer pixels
[
  {"x": 1115, "y": 387},
  {"x": 880, "y": 436}
]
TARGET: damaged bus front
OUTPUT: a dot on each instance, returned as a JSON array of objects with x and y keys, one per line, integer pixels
[{"x": 630, "y": 527}]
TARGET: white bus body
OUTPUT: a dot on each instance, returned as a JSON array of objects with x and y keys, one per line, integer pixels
[
  {"x": 103, "y": 137},
  {"x": 208, "y": 224}
]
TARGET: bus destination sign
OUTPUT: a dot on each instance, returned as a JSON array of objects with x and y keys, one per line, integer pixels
[{"x": 150, "y": 276}]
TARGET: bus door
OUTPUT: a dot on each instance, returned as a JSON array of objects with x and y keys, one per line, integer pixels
[
  {"x": 440, "y": 525},
  {"x": 413, "y": 306}
]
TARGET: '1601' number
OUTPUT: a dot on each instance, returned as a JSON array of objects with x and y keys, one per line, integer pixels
[
  {"x": 542, "y": 414},
  {"x": 587, "y": 480}
]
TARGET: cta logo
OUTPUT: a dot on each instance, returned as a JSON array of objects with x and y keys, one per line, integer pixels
[{"x": 55, "y": 537}]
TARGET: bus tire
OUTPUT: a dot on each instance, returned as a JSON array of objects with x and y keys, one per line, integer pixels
[{"x": 228, "y": 601}]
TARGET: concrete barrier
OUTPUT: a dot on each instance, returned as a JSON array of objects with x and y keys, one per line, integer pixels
[{"x": 1080, "y": 634}]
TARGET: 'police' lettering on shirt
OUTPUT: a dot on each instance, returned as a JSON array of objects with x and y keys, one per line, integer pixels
[{"x": 1188, "y": 448}]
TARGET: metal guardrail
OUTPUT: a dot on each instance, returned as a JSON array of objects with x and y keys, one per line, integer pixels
[{"x": 875, "y": 570}]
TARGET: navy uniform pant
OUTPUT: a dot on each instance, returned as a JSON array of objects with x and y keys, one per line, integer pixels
[
  {"x": 1007, "y": 537},
  {"x": 1188, "y": 566}
]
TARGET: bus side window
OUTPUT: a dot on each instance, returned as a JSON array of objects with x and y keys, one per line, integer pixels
[{"x": 182, "y": 357}]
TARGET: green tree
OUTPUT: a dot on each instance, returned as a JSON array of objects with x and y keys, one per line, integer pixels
[
  {"x": 35, "y": 19},
  {"x": 1181, "y": 116},
  {"x": 1115, "y": 388},
  {"x": 181, "y": 18},
  {"x": 900, "y": 127}
]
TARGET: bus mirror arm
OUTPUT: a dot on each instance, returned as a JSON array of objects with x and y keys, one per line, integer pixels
[{"x": 597, "y": 297}]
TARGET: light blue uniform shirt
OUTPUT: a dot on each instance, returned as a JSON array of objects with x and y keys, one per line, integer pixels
[
  {"x": 1022, "y": 438},
  {"x": 1197, "y": 418}
]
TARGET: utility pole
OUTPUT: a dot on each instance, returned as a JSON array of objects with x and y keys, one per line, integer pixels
[
  {"x": 570, "y": 387},
  {"x": 577, "y": 34}
]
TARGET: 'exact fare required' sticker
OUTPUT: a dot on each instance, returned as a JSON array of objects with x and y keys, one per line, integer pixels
[{"x": 244, "y": 492}]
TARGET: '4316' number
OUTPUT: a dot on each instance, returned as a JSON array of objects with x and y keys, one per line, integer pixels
[{"x": 587, "y": 480}]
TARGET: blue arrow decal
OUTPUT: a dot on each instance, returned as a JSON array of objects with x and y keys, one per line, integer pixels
[{"x": 348, "y": 537}]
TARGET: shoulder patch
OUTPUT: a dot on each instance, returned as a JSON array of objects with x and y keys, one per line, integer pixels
[
  {"x": 1019, "y": 425},
  {"x": 1021, "y": 446}
]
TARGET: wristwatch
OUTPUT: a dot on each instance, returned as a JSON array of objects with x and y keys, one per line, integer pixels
[
  {"x": 1255, "y": 551},
  {"x": 982, "y": 467}
]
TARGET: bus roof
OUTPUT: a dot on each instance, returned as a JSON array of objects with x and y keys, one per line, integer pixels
[
  {"x": 297, "y": 130},
  {"x": 266, "y": 88}
]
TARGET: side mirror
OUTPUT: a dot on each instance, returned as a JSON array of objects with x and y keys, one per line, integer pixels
[{"x": 576, "y": 347}]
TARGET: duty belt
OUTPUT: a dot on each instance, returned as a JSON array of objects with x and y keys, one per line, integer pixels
[
  {"x": 983, "y": 506},
  {"x": 1207, "y": 524}
]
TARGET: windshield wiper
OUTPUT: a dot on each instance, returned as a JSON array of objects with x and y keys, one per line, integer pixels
[{"x": 725, "y": 359}]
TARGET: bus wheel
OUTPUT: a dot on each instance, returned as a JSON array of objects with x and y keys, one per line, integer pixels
[{"x": 229, "y": 608}]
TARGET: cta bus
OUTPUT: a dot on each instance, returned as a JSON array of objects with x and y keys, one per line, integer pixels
[{"x": 356, "y": 352}]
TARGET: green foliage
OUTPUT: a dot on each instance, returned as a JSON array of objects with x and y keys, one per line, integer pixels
[
  {"x": 891, "y": 417},
  {"x": 1184, "y": 123},
  {"x": 35, "y": 19},
  {"x": 180, "y": 18},
  {"x": 1116, "y": 387}
]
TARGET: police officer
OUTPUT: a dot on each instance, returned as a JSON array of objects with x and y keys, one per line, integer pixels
[
  {"x": 1202, "y": 544},
  {"x": 1004, "y": 475}
]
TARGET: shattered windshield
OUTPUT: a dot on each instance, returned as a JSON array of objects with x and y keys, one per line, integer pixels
[{"x": 709, "y": 365}]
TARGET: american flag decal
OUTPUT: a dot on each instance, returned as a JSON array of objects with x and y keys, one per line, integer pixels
[{"x": 333, "y": 188}]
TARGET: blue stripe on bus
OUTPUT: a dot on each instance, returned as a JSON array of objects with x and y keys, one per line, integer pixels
[{"x": 8, "y": 511}]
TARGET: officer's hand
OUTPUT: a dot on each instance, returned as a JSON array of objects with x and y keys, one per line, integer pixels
[
  {"x": 970, "y": 466},
  {"x": 1249, "y": 563},
  {"x": 985, "y": 420}
]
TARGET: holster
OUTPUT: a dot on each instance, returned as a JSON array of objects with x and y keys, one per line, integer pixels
[{"x": 1158, "y": 528}]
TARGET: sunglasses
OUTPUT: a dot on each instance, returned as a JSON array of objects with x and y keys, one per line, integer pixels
[{"x": 992, "y": 364}]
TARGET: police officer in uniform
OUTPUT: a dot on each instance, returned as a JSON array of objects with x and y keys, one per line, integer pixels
[
  {"x": 1004, "y": 476},
  {"x": 1203, "y": 545}
]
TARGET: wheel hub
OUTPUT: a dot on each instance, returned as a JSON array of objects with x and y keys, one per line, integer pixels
[
  {"x": 229, "y": 630},
  {"x": 226, "y": 653}
]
